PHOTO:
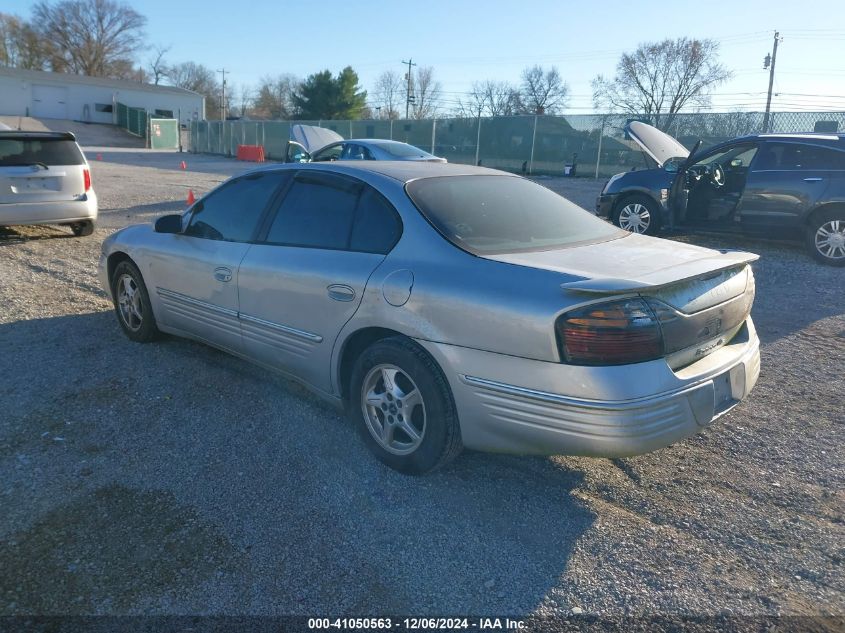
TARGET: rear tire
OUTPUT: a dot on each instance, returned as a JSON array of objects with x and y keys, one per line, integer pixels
[
  {"x": 82, "y": 229},
  {"x": 826, "y": 238},
  {"x": 403, "y": 407},
  {"x": 638, "y": 214},
  {"x": 132, "y": 303}
]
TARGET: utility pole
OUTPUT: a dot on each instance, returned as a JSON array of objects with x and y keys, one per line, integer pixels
[
  {"x": 223, "y": 103},
  {"x": 410, "y": 63},
  {"x": 769, "y": 62}
]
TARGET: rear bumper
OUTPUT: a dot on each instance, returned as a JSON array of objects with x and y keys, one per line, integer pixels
[
  {"x": 50, "y": 212},
  {"x": 536, "y": 415}
]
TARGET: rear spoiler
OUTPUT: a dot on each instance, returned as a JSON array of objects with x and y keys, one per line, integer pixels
[
  {"x": 664, "y": 277},
  {"x": 24, "y": 134}
]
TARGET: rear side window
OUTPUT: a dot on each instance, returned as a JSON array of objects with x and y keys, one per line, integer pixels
[
  {"x": 316, "y": 212},
  {"x": 232, "y": 212},
  {"x": 46, "y": 151},
  {"x": 332, "y": 212},
  {"x": 800, "y": 157},
  {"x": 377, "y": 227}
]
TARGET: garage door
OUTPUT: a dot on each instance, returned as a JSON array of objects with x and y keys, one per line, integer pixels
[{"x": 49, "y": 102}]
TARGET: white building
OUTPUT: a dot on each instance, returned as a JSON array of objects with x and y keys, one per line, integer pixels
[{"x": 79, "y": 98}]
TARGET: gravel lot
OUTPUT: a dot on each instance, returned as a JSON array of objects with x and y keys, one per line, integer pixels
[{"x": 173, "y": 479}]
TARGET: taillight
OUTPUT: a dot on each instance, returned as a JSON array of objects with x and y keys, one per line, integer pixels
[
  {"x": 86, "y": 175},
  {"x": 613, "y": 333}
]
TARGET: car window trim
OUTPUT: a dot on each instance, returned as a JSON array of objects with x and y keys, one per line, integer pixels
[
  {"x": 283, "y": 185},
  {"x": 261, "y": 237}
]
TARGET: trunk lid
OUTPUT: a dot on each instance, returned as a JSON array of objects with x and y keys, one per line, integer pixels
[
  {"x": 701, "y": 297},
  {"x": 659, "y": 145}
]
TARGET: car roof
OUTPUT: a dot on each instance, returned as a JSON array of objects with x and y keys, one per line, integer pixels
[
  {"x": 28, "y": 134},
  {"x": 402, "y": 171}
]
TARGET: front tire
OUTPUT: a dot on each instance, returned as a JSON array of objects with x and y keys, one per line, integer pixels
[
  {"x": 403, "y": 407},
  {"x": 132, "y": 303},
  {"x": 826, "y": 238},
  {"x": 638, "y": 214}
]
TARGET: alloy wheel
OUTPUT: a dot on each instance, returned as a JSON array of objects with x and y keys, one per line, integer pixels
[
  {"x": 129, "y": 302},
  {"x": 393, "y": 409},
  {"x": 635, "y": 217},
  {"x": 830, "y": 239}
]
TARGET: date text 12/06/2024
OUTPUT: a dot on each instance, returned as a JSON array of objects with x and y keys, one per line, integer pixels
[{"x": 416, "y": 624}]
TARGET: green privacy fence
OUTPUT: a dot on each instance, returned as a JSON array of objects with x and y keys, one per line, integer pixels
[
  {"x": 133, "y": 120},
  {"x": 593, "y": 144}
]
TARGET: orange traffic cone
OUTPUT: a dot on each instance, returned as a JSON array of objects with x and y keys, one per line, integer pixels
[
  {"x": 191, "y": 198},
  {"x": 183, "y": 165}
]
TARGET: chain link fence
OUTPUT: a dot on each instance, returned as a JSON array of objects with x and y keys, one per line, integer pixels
[{"x": 581, "y": 144}]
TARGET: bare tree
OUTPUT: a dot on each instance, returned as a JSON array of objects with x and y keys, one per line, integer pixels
[
  {"x": 245, "y": 99},
  {"x": 498, "y": 98},
  {"x": 659, "y": 79},
  {"x": 91, "y": 37},
  {"x": 543, "y": 91},
  {"x": 158, "y": 66},
  {"x": 274, "y": 99},
  {"x": 426, "y": 90},
  {"x": 198, "y": 78},
  {"x": 389, "y": 94},
  {"x": 20, "y": 45}
]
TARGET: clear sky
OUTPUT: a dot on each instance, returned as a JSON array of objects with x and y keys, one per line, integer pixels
[{"x": 469, "y": 41}]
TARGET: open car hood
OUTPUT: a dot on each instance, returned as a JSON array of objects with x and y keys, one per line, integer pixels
[
  {"x": 313, "y": 138},
  {"x": 659, "y": 145}
]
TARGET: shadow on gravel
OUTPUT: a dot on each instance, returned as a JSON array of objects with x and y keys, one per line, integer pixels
[
  {"x": 170, "y": 160},
  {"x": 15, "y": 235},
  {"x": 188, "y": 480}
]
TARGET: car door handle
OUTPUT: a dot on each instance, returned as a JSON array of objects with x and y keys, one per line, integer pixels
[
  {"x": 341, "y": 292},
  {"x": 221, "y": 273},
  {"x": 813, "y": 179}
]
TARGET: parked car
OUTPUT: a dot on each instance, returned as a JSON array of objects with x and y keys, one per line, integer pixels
[
  {"x": 780, "y": 186},
  {"x": 314, "y": 144},
  {"x": 45, "y": 179},
  {"x": 447, "y": 306}
]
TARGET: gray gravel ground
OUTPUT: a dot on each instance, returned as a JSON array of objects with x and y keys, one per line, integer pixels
[{"x": 173, "y": 479}]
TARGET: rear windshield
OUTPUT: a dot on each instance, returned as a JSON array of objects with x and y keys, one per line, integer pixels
[
  {"x": 403, "y": 150},
  {"x": 32, "y": 151},
  {"x": 504, "y": 214}
]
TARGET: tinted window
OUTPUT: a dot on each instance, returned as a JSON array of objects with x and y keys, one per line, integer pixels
[
  {"x": 403, "y": 150},
  {"x": 796, "y": 156},
  {"x": 231, "y": 212},
  {"x": 377, "y": 226},
  {"x": 317, "y": 211},
  {"x": 49, "y": 151},
  {"x": 501, "y": 214},
  {"x": 330, "y": 153}
]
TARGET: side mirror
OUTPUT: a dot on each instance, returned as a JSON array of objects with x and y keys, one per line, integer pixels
[{"x": 169, "y": 224}]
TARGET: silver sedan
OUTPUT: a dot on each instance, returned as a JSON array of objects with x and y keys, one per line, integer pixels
[{"x": 448, "y": 306}]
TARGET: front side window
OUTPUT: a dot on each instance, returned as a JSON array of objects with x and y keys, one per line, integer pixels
[
  {"x": 735, "y": 156},
  {"x": 504, "y": 214},
  {"x": 231, "y": 212},
  {"x": 330, "y": 153}
]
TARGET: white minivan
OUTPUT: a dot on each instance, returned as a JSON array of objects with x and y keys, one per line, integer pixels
[{"x": 45, "y": 179}]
